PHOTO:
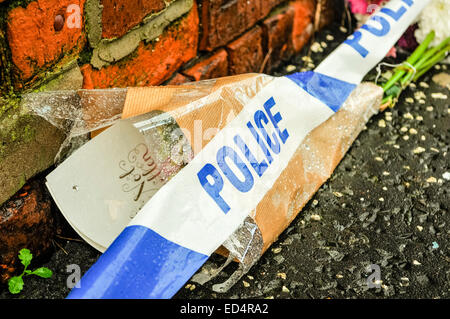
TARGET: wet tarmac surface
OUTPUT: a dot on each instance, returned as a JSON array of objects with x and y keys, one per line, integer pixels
[{"x": 386, "y": 205}]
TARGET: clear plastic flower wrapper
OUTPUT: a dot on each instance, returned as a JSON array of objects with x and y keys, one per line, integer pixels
[
  {"x": 148, "y": 163},
  {"x": 175, "y": 173}
]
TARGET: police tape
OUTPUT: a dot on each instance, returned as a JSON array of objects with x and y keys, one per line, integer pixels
[{"x": 200, "y": 207}]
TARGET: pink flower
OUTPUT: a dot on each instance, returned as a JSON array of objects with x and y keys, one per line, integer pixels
[
  {"x": 363, "y": 6},
  {"x": 392, "y": 53},
  {"x": 358, "y": 6}
]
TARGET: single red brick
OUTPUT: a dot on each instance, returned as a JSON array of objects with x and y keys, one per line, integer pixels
[
  {"x": 119, "y": 16},
  {"x": 303, "y": 22},
  {"x": 178, "y": 79},
  {"x": 224, "y": 20},
  {"x": 268, "y": 5},
  {"x": 152, "y": 63},
  {"x": 251, "y": 12},
  {"x": 26, "y": 221},
  {"x": 245, "y": 54},
  {"x": 221, "y": 21},
  {"x": 213, "y": 67},
  {"x": 32, "y": 37},
  {"x": 277, "y": 34}
]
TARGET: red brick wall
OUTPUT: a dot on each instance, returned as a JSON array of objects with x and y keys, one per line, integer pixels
[
  {"x": 34, "y": 41},
  {"x": 205, "y": 39}
]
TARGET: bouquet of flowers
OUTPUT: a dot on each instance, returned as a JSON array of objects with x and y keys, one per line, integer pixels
[
  {"x": 432, "y": 31},
  {"x": 420, "y": 61}
]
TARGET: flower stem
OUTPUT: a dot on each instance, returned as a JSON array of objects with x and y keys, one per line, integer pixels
[
  {"x": 442, "y": 46},
  {"x": 436, "y": 59},
  {"x": 415, "y": 56},
  {"x": 431, "y": 56}
]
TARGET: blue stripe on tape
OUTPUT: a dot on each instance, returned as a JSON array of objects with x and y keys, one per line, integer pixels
[
  {"x": 139, "y": 264},
  {"x": 331, "y": 91}
]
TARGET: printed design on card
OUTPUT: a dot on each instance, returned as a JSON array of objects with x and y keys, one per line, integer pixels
[{"x": 138, "y": 169}]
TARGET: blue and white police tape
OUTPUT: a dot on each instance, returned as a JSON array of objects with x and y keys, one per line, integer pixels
[{"x": 193, "y": 214}]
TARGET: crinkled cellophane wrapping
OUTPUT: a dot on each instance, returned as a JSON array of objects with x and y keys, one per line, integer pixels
[{"x": 215, "y": 103}]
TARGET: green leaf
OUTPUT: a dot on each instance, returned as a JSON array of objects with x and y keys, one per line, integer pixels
[
  {"x": 25, "y": 256},
  {"x": 42, "y": 272},
  {"x": 15, "y": 285},
  {"x": 394, "y": 91}
]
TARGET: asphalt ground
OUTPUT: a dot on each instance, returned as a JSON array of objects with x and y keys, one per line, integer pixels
[{"x": 386, "y": 204}]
